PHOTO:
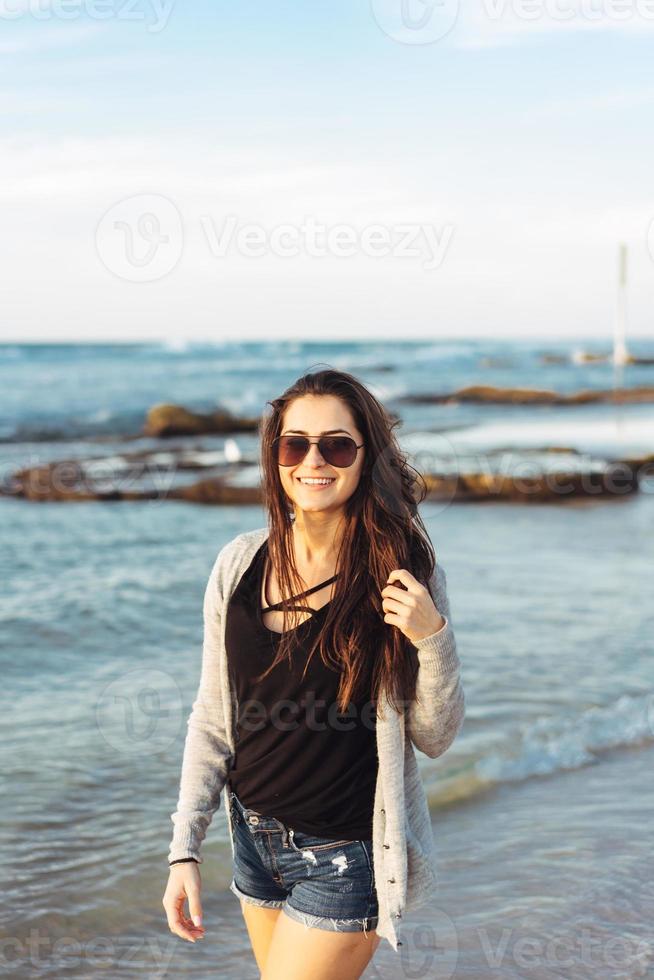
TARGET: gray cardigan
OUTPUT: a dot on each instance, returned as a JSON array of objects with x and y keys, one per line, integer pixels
[{"x": 403, "y": 843}]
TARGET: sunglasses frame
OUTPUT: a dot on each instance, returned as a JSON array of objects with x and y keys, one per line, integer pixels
[{"x": 316, "y": 441}]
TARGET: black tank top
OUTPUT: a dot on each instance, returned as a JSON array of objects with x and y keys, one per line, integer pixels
[{"x": 297, "y": 758}]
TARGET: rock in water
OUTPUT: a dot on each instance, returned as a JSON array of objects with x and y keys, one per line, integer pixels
[{"x": 167, "y": 420}]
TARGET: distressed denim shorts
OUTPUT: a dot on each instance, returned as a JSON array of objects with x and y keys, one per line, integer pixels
[{"x": 327, "y": 884}]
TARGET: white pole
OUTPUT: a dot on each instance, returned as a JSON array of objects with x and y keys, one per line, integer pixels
[{"x": 620, "y": 354}]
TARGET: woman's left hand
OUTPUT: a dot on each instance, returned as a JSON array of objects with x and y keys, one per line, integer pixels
[{"x": 411, "y": 609}]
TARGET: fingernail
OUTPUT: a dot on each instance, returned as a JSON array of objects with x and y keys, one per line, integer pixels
[{"x": 197, "y": 920}]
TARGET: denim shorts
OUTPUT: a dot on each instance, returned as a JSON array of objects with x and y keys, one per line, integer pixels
[{"x": 323, "y": 883}]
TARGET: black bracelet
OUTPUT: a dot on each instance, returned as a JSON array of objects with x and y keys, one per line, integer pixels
[{"x": 181, "y": 861}]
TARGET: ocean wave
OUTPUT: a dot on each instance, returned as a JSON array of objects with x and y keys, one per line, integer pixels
[
  {"x": 101, "y": 422},
  {"x": 444, "y": 351},
  {"x": 8, "y": 353},
  {"x": 551, "y": 745}
]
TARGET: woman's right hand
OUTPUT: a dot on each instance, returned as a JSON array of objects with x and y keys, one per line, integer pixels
[{"x": 184, "y": 883}]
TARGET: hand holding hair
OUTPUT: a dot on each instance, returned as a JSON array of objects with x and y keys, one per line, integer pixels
[{"x": 410, "y": 606}]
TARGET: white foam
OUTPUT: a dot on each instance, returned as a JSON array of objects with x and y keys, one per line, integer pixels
[
  {"x": 233, "y": 452},
  {"x": 558, "y": 743},
  {"x": 615, "y": 435}
]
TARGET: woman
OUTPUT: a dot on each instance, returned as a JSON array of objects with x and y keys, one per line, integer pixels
[{"x": 339, "y": 597}]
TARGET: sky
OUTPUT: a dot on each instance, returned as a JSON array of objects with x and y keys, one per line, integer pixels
[{"x": 389, "y": 168}]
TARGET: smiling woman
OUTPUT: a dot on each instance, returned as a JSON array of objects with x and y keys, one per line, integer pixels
[{"x": 329, "y": 653}]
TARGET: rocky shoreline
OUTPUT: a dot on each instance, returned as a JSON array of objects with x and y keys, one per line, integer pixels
[
  {"x": 532, "y": 396},
  {"x": 142, "y": 476},
  {"x": 225, "y": 475}
]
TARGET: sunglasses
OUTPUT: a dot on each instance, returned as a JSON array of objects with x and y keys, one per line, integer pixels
[{"x": 339, "y": 451}]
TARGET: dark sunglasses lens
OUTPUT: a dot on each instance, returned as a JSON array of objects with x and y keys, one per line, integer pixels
[
  {"x": 338, "y": 451},
  {"x": 291, "y": 450}
]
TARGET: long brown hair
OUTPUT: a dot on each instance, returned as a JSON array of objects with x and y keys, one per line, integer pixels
[{"x": 382, "y": 531}]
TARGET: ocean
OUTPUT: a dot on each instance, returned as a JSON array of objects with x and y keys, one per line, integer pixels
[{"x": 542, "y": 807}]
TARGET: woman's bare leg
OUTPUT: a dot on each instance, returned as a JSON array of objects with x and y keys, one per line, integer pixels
[
  {"x": 260, "y": 924},
  {"x": 299, "y": 952}
]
